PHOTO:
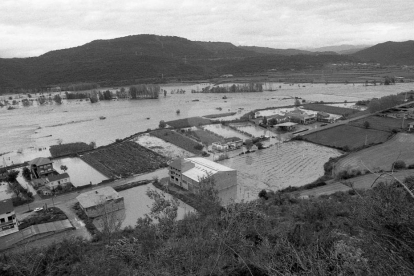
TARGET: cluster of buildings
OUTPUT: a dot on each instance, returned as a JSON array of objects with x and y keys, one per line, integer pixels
[
  {"x": 405, "y": 111},
  {"x": 288, "y": 120},
  {"x": 231, "y": 143},
  {"x": 45, "y": 179}
]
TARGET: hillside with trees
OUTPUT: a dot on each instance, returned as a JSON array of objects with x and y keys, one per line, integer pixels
[
  {"x": 143, "y": 59},
  {"x": 389, "y": 53}
]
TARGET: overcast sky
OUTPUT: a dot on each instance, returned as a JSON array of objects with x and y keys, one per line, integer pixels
[{"x": 33, "y": 27}]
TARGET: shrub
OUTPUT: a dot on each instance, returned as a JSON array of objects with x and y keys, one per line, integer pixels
[
  {"x": 162, "y": 124},
  {"x": 399, "y": 165},
  {"x": 411, "y": 166},
  {"x": 263, "y": 194},
  {"x": 198, "y": 147}
]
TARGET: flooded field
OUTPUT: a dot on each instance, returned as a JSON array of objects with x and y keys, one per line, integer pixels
[
  {"x": 78, "y": 121},
  {"x": 225, "y": 131},
  {"x": 251, "y": 129},
  {"x": 349, "y": 105},
  {"x": 80, "y": 172},
  {"x": 278, "y": 167},
  {"x": 160, "y": 146}
]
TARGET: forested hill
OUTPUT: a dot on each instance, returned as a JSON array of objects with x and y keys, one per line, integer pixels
[
  {"x": 395, "y": 53},
  {"x": 140, "y": 58},
  {"x": 273, "y": 51}
]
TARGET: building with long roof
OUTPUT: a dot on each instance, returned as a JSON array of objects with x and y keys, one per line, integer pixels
[
  {"x": 189, "y": 172},
  {"x": 8, "y": 222}
]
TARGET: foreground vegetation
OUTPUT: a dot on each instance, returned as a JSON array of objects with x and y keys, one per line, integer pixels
[{"x": 357, "y": 233}]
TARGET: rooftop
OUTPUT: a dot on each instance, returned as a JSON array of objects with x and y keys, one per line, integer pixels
[
  {"x": 57, "y": 177},
  {"x": 6, "y": 205},
  {"x": 97, "y": 197},
  {"x": 40, "y": 161},
  {"x": 208, "y": 164}
]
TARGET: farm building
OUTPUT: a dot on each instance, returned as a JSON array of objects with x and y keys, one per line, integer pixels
[
  {"x": 411, "y": 126},
  {"x": 99, "y": 202},
  {"x": 233, "y": 142},
  {"x": 189, "y": 172},
  {"x": 301, "y": 117},
  {"x": 324, "y": 117},
  {"x": 288, "y": 126}
]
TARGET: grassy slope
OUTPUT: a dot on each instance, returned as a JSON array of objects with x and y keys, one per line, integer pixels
[{"x": 400, "y": 147}]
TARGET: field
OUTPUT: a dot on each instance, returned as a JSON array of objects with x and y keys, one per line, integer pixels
[
  {"x": 381, "y": 123},
  {"x": 225, "y": 131},
  {"x": 213, "y": 116},
  {"x": 249, "y": 129},
  {"x": 177, "y": 139},
  {"x": 160, "y": 146},
  {"x": 290, "y": 164},
  {"x": 382, "y": 156},
  {"x": 203, "y": 136},
  {"x": 188, "y": 122},
  {"x": 330, "y": 109},
  {"x": 71, "y": 148},
  {"x": 347, "y": 137},
  {"x": 125, "y": 159}
]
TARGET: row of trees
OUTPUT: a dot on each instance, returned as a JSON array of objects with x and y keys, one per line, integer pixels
[
  {"x": 384, "y": 103},
  {"x": 235, "y": 88}
]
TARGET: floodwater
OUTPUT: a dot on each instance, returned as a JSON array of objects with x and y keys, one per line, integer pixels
[
  {"x": 137, "y": 204},
  {"x": 83, "y": 173},
  {"x": 35, "y": 127},
  {"x": 225, "y": 131}
]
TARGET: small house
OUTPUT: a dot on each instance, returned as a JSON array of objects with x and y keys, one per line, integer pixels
[
  {"x": 233, "y": 142},
  {"x": 44, "y": 191},
  {"x": 324, "y": 117},
  {"x": 53, "y": 181},
  {"x": 219, "y": 146},
  {"x": 99, "y": 202},
  {"x": 411, "y": 126},
  {"x": 41, "y": 167}
]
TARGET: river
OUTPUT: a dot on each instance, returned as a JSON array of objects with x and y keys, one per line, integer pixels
[{"x": 28, "y": 129}]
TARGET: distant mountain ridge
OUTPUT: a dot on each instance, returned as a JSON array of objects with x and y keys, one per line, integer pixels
[
  {"x": 343, "y": 49},
  {"x": 152, "y": 58},
  {"x": 389, "y": 53}
]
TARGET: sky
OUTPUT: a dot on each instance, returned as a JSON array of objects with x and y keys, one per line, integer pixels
[{"x": 34, "y": 27}]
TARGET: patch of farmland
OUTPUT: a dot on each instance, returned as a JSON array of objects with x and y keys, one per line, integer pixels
[
  {"x": 188, "y": 122},
  {"x": 400, "y": 147},
  {"x": 330, "y": 109},
  {"x": 177, "y": 139},
  {"x": 347, "y": 137},
  {"x": 289, "y": 164},
  {"x": 160, "y": 146},
  {"x": 349, "y": 105},
  {"x": 124, "y": 159},
  {"x": 225, "y": 131},
  {"x": 382, "y": 123}
]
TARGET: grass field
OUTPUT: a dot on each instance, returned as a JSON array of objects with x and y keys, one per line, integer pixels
[
  {"x": 125, "y": 158},
  {"x": 382, "y": 123},
  {"x": 330, "y": 109},
  {"x": 400, "y": 147},
  {"x": 177, "y": 139},
  {"x": 290, "y": 164},
  {"x": 188, "y": 122},
  {"x": 347, "y": 137}
]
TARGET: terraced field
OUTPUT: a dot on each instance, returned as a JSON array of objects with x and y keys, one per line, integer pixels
[
  {"x": 290, "y": 164},
  {"x": 382, "y": 156}
]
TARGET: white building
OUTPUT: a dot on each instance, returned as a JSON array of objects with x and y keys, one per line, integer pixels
[
  {"x": 188, "y": 173},
  {"x": 53, "y": 181},
  {"x": 8, "y": 222},
  {"x": 101, "y": 201}
]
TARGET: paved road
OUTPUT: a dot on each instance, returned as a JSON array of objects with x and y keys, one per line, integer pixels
[{"x": 66, "y": 201}]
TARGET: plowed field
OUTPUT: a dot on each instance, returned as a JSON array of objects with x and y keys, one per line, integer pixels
[{"x": 290, "y": 164}]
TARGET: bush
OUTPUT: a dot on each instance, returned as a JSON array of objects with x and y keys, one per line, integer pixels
[
  {"x": 411, "y": 166},
  {"x": 399, "y": 165},
  {"x": 263, "y": 194},
  {"x": 162, "y": 124},
  {"x": 198, "y": 147}
]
